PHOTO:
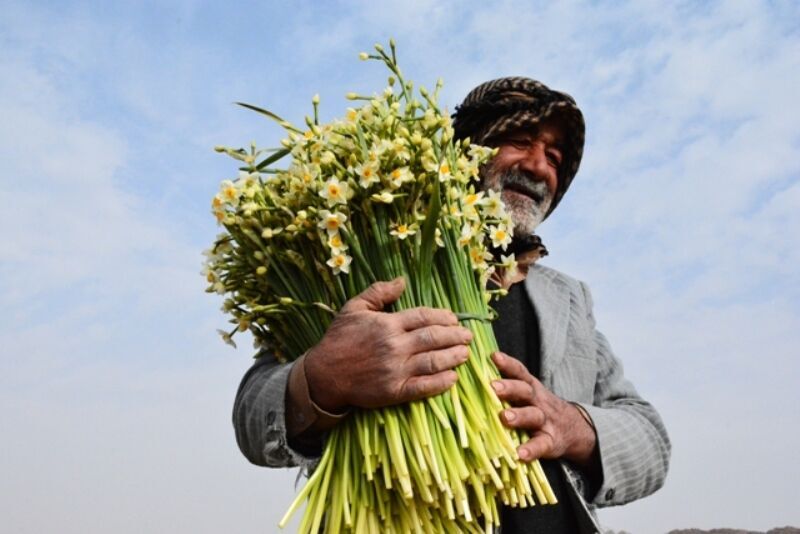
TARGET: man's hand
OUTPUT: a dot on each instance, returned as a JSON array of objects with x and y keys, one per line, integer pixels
[
  {"x": 557, "y": 428},
  {"x": 370, "y": 358}
]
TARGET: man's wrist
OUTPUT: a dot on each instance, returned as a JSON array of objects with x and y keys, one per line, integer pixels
[
  {"x": 584, "y": 448},
  {"x": 303, "y": 415},
  {"x": 323, "y": 396}
]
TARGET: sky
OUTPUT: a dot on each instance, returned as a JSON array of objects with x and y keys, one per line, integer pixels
[{"x": 116, "y": 391}]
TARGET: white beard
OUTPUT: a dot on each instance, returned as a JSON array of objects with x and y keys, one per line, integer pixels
[{"x": 526, "y": 200}]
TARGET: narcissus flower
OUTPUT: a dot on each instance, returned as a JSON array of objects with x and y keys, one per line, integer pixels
[
  {"x": 400, "y": 176},
  {"x": 367, "y": 174},
  {"x": 229, "y": 192},
  {"x": 334, "y": 191},
  {"x": 493, "y": 204},
  {"x": 384, "y": 196},
  {"x": 500, "y": 237},
  {"x": 340, "y": 263},
  {"x": 402, "y": 231},
  {"x": 331, "y": 221},
  {"x": 336, "y": 244}
]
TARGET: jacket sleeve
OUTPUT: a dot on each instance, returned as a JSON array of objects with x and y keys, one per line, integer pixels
[
  {"x": 631, "y": 437},
  {"x": 259, "y": 416}
]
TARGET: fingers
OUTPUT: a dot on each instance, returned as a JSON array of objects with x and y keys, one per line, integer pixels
[
  {"x": 511, "y": 367},
  {"x": 541, "y": 445},
  {"x": 429, "y": 363},
  {"x": 377, "y": 296},
  {"x": 419, "y": 387},
  {"x": 514, "y": 392},
  {"x": 421, "y": 317},
  {"x": 524, "y": 418},
  {"x": 434, "y": 338}
]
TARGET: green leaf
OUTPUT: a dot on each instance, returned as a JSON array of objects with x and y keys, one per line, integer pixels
[
  {"x": 263, "y": 111},
  {"x": 272, "y": 159}
]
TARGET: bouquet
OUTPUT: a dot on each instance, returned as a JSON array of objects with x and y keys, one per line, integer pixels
[{"x": 383, "y": 192}]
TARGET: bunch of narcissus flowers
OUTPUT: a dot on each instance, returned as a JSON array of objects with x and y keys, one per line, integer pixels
[{"x": 382, "y": 193}]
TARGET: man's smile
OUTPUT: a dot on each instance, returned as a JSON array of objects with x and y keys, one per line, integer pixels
[{"x": 524, "y": 189}]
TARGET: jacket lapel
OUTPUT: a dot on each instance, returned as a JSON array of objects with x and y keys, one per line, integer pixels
[{"x": 550, "y": 298}]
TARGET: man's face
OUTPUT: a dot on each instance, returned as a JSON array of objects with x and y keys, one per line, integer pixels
[{"x": 525, "y": 172}]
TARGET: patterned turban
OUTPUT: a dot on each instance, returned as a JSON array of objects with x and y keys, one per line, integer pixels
[{"x": 501, "y": 106}]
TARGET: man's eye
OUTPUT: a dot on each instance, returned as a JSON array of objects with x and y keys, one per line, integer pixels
[{"x": 554, "y": 158}]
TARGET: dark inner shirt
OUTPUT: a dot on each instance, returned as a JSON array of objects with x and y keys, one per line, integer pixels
[{"x": 517, "y": 333}]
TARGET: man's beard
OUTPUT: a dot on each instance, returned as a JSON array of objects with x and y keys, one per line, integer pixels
[{"x": 527, "y": 200}]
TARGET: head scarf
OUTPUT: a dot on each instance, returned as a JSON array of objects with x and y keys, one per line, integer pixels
[{"x": 504, "y": 105}]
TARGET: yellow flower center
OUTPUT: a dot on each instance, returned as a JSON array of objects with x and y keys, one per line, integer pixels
[
  {"x": 445, "y": 169},
  {"x": 333, "y": 190}
]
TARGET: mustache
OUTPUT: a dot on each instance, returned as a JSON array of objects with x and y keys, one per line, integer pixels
[{"x": 522, "y": 183}]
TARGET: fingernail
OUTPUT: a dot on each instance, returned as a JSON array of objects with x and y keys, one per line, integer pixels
[
  {"x": 510, "y": 416},
  {"x": 498, "y": 386},
  {"x": 523, "y": 453}
]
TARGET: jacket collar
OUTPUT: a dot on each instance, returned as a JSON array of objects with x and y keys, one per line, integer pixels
[{"x": 550, "y": 298}]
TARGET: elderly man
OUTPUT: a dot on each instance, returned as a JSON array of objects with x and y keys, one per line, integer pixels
[{"x": 600, "y": 443}]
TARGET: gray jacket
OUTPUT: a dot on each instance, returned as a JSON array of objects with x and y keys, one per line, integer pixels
[{"x": 577, "y": 364}]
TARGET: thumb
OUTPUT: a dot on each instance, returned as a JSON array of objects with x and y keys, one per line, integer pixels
[{"x": 377, "y": 296}]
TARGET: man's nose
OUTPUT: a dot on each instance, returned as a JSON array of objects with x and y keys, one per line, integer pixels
[{"x": 534, "y": 162}]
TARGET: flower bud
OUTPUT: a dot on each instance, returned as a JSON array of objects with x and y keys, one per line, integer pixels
[
  {"x": 315, "y": 100},
  {"x": 363, "y": 56},
  {"x": 351, "y": 96}
]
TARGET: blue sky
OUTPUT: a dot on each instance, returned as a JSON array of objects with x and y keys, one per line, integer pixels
[{"x": 684, "y": 219}]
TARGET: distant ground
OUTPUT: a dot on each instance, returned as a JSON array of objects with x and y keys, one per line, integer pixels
[{"x": 780, "y": 530}]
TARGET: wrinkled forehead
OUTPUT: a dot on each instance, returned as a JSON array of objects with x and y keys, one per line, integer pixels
[{"x": 552, "y": 129}]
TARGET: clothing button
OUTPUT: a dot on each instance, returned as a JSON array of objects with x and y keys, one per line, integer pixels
[{"x": 610, "y": 494}]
